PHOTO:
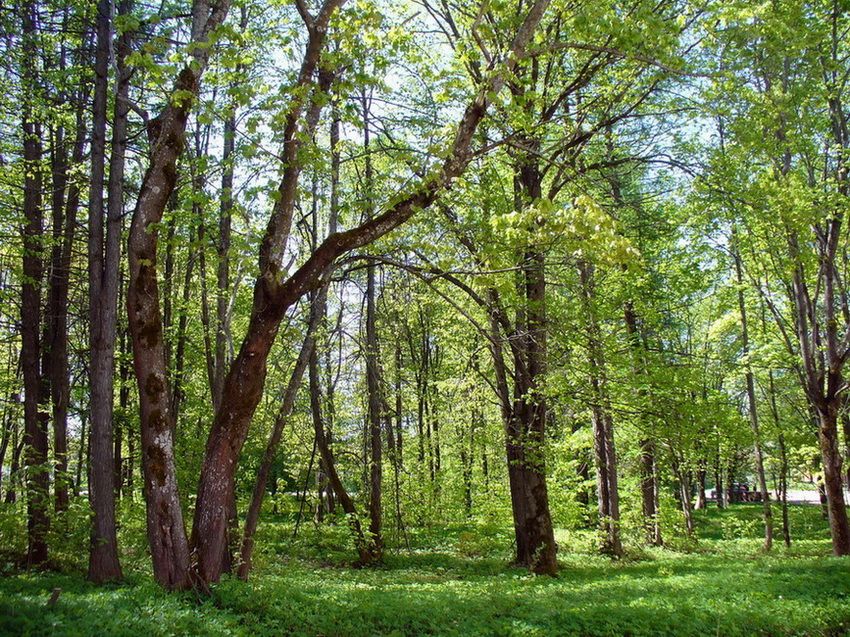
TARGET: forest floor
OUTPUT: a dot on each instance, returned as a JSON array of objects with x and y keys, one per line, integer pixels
[{"x": 455, "y": 580}]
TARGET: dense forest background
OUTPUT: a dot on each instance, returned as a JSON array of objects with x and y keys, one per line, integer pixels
[{"x": 393, "y": 264}]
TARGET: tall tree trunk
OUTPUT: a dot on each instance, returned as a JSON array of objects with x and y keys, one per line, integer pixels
[
  {"x": 375, "y": 414},
  {"x": 751, "y": 396},
  {"x": 14, "y": 469},
  {"x": 35, "y": 419},
  {"x": 648, "y": 472},
  {"x": 607, "y": 483},
  {"x": 223, "y": 306},
  {"x": 128, "y": 476},
  {"x": 104, "y": 272},
  {"x": 526, "y": 423},
  {"x": 166, "y": 531},
  {"x": 55, "y": 363},
  {"x": 329, "y": 466},
  {"x": 244, "y": 382},
  {"x": 720, "y": 486},
  {"x": 7, "y": 426},
  {"x": 684, "y": 481},
  {"x": 82, "y": 454},
  {"x": 181, "y": 336}
]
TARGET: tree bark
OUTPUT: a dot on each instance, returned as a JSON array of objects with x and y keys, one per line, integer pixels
[
  {"x": 55, "y": 362},
  {"x": 104, "y": 270},
  {"x": 376, "y": 410},
  {"x": 647, "y": 452},
  {"x": 751, "y": 396},
  {"x": 328, "y": 465},
  {"x": 832, "y": 479},
  {"x": 166, "y": 530},
  {"x": 35, "y": 419},
  {"x": 253, "y": 515}
]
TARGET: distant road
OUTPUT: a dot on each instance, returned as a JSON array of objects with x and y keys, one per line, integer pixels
[{"x": 795, "y": 496}]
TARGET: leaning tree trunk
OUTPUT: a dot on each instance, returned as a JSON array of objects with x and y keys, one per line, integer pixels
[
  {"x": 244, "y": 383},
  {"x": 243, "y": 386},
  {"x": 253, "y": 515},
  {"x": 166, "y": 531}
]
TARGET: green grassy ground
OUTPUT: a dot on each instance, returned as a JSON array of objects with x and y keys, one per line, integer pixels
[{"x": 449, "y": 585}]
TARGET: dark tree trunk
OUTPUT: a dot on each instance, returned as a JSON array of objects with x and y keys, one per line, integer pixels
[
  {"x": 35, "y": 419},
  {"x": 128, "y": 475},
  {"x": 394, "y": 437},
  {"x": 181, "y": 336},
  {"x": 719, "y": 484},
  {"x": 82, "y": 453},
  {"x": 376, "y": 412},
  {"x": 104, "y": 272},
  {"x": 14, "y": 469},
  {"x": 783, "y": 490},
  {"x": 243, "y": 385},
  {"x": 607, "y": 483},
  {"x": 525, "y": 416},
  {"x": 8, "y": 425},
  {"x": 832, "y": 479},
  {"x": 648, "y": 472},
  {"x": 55, "y": 365},
  {"x": 361, "y": 543},
  {"x": 253, "y": 515},
  {"x": 684, "y": 494}
]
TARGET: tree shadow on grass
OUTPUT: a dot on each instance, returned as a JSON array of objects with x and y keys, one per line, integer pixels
[{"x": 443, "y": 594}]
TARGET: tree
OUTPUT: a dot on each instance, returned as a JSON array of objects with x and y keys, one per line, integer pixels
[
  {"x": 795, "y": 192},
  {"x": 104, "y": 270},
  {"x": 35, "y": 433},
  {"x": 272, "y": 295}
]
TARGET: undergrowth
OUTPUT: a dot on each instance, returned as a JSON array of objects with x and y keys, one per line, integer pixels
[{"x": 456, "y": 580}]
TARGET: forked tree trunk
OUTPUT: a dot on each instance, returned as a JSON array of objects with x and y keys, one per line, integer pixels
[
  {"x": 244, "y": 383},
  {"x": 253, "y": 515}
]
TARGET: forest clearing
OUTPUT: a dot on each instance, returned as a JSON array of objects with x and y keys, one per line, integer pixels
[
  {"x": 424, "y": 317},
  {"x": 455, "y": 580}
]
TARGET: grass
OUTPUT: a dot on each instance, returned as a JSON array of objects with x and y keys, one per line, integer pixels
[{"x": 448, "y": 584}]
